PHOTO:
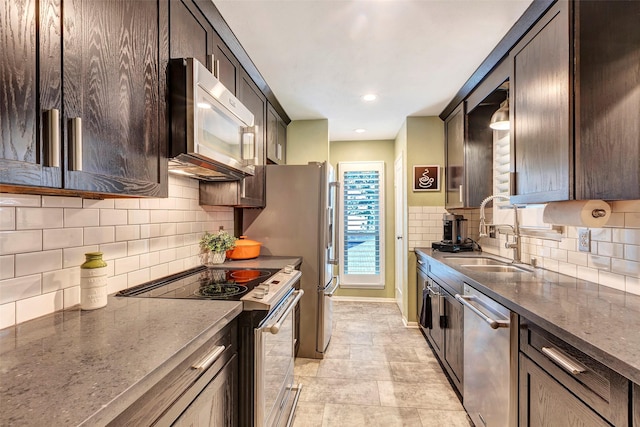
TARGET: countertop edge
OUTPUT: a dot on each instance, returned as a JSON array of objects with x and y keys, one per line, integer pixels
[{"x": 621, "y": 366}]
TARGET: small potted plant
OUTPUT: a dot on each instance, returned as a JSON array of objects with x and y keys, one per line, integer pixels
[{"x": 214, "y": 246}]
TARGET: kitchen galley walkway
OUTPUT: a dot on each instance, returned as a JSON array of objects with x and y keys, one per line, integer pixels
[{"x": 376, "y": 373}]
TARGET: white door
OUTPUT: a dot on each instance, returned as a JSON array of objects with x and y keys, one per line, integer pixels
[{"x": 399, "y": 203}]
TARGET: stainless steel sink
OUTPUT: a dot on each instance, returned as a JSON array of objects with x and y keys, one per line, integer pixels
[
  {"x": 469, "y": 260},
  {"x": 504, "y": 268}
]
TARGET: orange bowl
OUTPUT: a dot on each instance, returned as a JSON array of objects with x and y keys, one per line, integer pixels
[{"x": 245, "y": 249}]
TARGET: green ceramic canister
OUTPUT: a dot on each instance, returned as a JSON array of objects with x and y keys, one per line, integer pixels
[{"x": 93, "y": 282}]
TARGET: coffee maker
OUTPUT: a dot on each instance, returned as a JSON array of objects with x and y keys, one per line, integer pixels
[{"x": 454, "y": 235}]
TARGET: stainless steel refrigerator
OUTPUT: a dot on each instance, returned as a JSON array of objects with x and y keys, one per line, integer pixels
[{"x": 300, "y": 219}]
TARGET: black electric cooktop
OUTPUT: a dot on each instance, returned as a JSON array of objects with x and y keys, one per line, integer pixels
[{"x": 202, "y": 283}]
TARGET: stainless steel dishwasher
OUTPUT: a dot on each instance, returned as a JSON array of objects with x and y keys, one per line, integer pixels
[{"x": 490, "y": 360}]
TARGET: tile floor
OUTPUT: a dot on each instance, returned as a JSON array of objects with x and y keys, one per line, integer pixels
[{"x": 376, "y": 373}]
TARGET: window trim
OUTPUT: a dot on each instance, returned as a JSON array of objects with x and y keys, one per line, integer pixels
[{"x": 362, "y": 281}]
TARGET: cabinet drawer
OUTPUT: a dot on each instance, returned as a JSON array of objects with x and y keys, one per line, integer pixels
[
  {"x": 602, "y": 389},
  {"x": 544, "y": 402}
]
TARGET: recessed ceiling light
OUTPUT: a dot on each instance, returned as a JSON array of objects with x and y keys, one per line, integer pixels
[
  {"x": 369, "y": 97},
  {"x": 360, "y": 130}
]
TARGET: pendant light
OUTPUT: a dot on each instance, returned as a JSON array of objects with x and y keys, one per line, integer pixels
[{"x": 500, "y": 119}]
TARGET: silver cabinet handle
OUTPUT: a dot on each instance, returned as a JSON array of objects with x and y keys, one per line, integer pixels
[
  {"x": 249, "y": 141},
  {"x": 274, "y": 328},
  {"x": 51, "y": 127},
  {"x": 460, "y": 190},
  {"x": 335, "y": 288},
  {"x": 563, "y": 361},
  {"x": 209, "y": 359},
  {"x": 420, "y": 262},
  {"x": 495, "y": 324},
  {"x": 75, "y": 143},
  {"x": 295, "y": 404}
]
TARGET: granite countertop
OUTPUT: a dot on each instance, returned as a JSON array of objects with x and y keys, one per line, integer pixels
[
  {"x": 77, "y": 366},
  {"x": 601, "y": 321},
  {"x": 69, "y": 366}
]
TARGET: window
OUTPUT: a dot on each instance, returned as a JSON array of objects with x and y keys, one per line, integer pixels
[{"x": 362, "y": 224}]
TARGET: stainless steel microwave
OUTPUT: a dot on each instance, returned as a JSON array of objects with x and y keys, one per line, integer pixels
[{"x": 212, "y": 133}]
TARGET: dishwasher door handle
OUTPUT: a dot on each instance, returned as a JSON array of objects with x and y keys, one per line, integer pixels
[{"x": 495, "y": 324}]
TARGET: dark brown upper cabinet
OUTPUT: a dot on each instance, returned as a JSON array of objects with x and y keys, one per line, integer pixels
[
  {"x": 469, "y": 143},
  {"x": 250, "y": 191},
  {"x": 575, "y": 103},
  {"x": 276, "y": 137},
  {"x": 98, "y": 126}
]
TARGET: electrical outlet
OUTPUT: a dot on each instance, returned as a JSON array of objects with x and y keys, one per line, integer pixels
[{"x": 584, "y": 240}]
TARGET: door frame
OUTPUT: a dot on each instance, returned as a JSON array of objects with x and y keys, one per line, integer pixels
[{"x": 400, "y": 233}]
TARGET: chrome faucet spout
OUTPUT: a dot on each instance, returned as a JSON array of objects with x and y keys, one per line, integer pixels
[{"x": 515, "y": 245}]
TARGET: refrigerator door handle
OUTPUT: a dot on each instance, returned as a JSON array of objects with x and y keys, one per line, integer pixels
[{"x": 332, "y": 223}]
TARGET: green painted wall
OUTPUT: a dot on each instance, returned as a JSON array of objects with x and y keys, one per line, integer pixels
[
  {"x": 307, "y": 141},
  {"x": 351, "y": 151},
  {"x": 425, "y": 146}
]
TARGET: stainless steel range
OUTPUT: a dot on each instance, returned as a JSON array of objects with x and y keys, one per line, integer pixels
[{"x": 266, "y": 332}]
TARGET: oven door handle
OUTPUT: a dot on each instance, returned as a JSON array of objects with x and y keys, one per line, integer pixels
[{"x": 274, "y": 328}]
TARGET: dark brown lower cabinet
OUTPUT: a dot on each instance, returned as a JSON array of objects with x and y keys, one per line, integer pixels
[
  {"x": 215, "y": 405},
  {"x": 454, "y": 338},
  {"x": 545, "y": 402}
]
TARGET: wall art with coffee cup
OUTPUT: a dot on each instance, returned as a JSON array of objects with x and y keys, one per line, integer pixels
[{"x": 426, "y": 178}]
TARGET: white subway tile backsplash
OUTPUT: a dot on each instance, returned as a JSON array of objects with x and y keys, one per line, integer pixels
[
  {"x": 20, "y": 288},
  {"x": 40, "y": 305},
  {"x": 98, "y": 235},
  {"x": 39, "y": 266},
  {"x": 127, "y": 204},
  {"x": 60, "y": 279},
  {"x": 73, "y": 257},
  {"x": 7, "y": 266},
  {"x": 7, "y": 315},
  {"x": 113, "y": 250},
  {"x": 71, "y": 296},
  {"x": 61, "y": 202},
  {"x": 126, "y": 265},
  {"x": 98, "y": 204},
  {"x": 38, "y": 218},
  {"x": 612, "y": 280},
  {"x": 632, "y": 285},
  {"x": 601, "y": 234},
  {"x": 599, "y": 262},
  {"x": 38, "y": 262},
  {"x": 589, "y": 274},
  {"x": 113, "y": 216},
  {"x": 7, "y": 218},
  {"x": 15, "y": 242},
  {"x": 128, "y": 232},
  {"x": 629, "y": 268},
  {"x": 59, "y": 238},
  {"x": 20, "y": 200},
  {"x": 616, "y": 220},
  {"x": 159, "y": 216},
  {"x": 632, "y": 252},
  {"x": 609, "y": 249},
  {"x": 625, "y": 206},
  {"x": 81, "y": 217},
  {"x": 632, "y": 220},
  {"x": 627, "y": 235}
]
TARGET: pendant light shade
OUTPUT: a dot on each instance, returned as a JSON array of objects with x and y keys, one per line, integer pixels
[{"x": 500, "y": 119}]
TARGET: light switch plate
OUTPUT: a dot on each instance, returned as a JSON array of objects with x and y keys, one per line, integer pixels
[{"x": 584, "y": 240}]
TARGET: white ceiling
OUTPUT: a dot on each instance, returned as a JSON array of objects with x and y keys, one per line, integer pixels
[{"x": 320, "y": 56}]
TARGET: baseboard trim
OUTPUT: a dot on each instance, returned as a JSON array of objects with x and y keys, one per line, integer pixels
[
  {"x": 413, "y": 325},
  {"x": 363, "y": 299}
]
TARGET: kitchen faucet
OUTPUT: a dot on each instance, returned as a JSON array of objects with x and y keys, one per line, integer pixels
[{"x": 515, "y": 245}]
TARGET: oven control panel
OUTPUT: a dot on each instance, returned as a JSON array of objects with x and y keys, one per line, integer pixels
[{"x": 272, "y": 290}]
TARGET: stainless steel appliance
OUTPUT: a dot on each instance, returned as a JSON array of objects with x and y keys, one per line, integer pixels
[
  {"x": 265, "y": 333},
  {"x": 300, "y": 219},
  {"x": 212, "y": 133},
  {"x": 490, "y": 360}
]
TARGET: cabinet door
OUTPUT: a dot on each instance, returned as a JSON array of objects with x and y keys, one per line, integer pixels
[
  {"x": 272, "y": 135},
  {"x": 281, "y": 148},
  {"x": 252, "y": 191},
  {"x": 217, "y": 404},
  {"x": 190, "y": 35},
  {"x": 113, "y": 91},
  {"x": 541, "y": 109},
  {"x": 435, "y": 333},
  {"x": 454, "y": 338},
  {"x": 454, "y": 158},
  {"x": 28, "y": 155},
  {"x": 545, "y": 402},
  {"x": 227, "y": 66},
  {"x": 608, "y": 93}
]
